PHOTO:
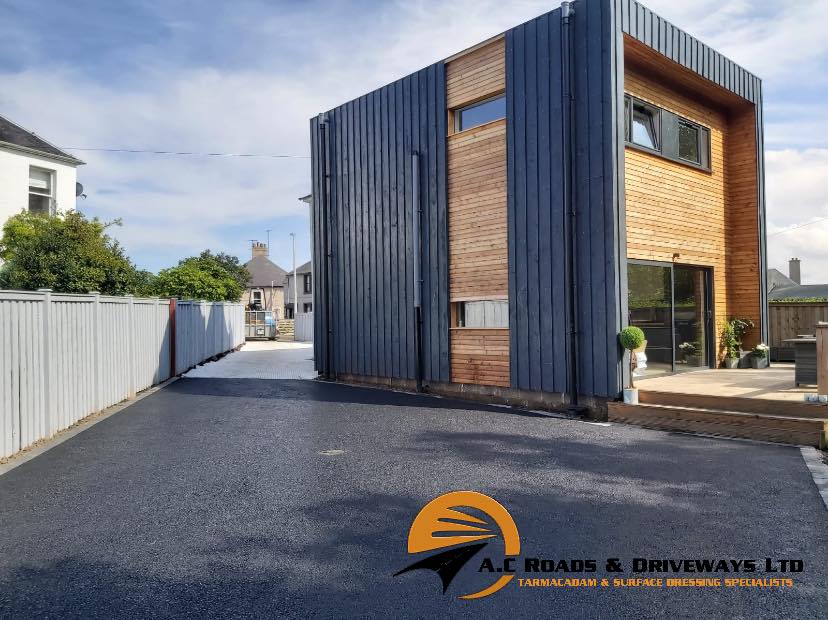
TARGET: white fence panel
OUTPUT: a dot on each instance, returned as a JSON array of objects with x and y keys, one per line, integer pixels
[
  {"x": 64, "y": 357},
  {"x": 303, "y": 327}
]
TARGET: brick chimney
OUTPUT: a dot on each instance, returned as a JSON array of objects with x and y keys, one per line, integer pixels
[
  {"x": 259, "y": 249},
  {"x": 793, "y": 270}
]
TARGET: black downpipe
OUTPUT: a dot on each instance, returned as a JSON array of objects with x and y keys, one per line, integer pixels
[
  {"x": 323, "y": 169},
  {"x": 570, "y": 221},
  {"x": 416, "y": 215}
]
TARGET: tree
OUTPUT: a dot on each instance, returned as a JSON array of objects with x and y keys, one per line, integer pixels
[
  {"x": 206, "y": 276},
  {"x": 231, "y": 264},
  {"x": 66, "y": 253}
]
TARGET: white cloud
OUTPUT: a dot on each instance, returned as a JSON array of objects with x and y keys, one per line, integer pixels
[
  {"x": 303, "y": 63},
  {"x": 796, "y": 195}
]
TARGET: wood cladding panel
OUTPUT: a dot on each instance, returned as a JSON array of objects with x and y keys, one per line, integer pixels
[
  {"x": 709, "y": 218},
  {"x": 744, "y": 274},
  {"x": 478, "y": 252},
  {"x": 477, "y": 223},
  {"x": 480, "y": 356},
  {"x": 476, "y": 75}
]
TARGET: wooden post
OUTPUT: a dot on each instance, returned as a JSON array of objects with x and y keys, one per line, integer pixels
[{"x": 822, "y": 357}]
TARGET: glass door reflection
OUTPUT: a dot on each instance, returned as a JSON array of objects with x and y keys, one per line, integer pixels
[
  {"x": 650, "y": 306},
  {"x": 690, "y": 312},
  {"x": 671, "y": 305}
]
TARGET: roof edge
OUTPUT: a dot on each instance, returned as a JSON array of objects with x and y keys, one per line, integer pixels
[{"x": 67, "y": 159}]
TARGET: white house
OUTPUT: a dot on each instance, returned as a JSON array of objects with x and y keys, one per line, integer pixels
[{"x": 34, "y": 174}]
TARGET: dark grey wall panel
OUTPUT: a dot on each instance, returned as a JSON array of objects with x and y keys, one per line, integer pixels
[
  {"x": 536, "y": 209},
  {"x": 598, "y": 185},
  {"x": 641, "y": 23},
  {"x": 369, "y": 191}
]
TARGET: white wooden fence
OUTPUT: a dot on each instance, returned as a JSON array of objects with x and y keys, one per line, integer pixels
[
  {"x": 303, "y": 327},
  {"x": 64, "y": 357}
]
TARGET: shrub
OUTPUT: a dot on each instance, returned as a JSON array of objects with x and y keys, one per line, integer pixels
[{"x": 631, "y": 338}]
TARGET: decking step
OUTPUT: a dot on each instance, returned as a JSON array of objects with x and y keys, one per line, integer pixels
[
  {"x": 776, "y": 428},
  {"x": 764, "y": 406}
]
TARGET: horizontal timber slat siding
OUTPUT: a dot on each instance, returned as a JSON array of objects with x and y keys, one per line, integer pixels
[
  {"x": 476, "y": 75},
  {"x": 477, "y": 212},
  {"x": 480, "y": 356},
  {"x": 370, "y": 290}
]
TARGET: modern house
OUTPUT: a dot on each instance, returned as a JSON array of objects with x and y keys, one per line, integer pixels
[
  {"x": 35, "y": 175},
  {"x": 266, "y": 290},
  {"x": 304, "y": 295},
  {"x": 487, "y": 225}
]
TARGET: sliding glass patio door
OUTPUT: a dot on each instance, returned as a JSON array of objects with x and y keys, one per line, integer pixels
[{"x": 671, "y": 304}]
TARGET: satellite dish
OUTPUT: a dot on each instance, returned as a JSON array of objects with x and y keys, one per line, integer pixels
[{"x": 79, "y": 191}]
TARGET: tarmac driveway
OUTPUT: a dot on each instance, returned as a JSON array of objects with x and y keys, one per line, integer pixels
[{"x": 262, "y": 498}]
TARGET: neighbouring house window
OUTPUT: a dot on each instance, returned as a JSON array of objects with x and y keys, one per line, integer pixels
[
  {"x": 645, "y": 125},
  {"x": 307, "y": 308},
  {"x": 483, "y": 313},
  {"x": 666, "y": 133},
  {"x": 41, "y": 191},
  {"x": 307, "y": 283},
  {"x": 256, "y": 298},
  {"x": 480, "y": 113}
]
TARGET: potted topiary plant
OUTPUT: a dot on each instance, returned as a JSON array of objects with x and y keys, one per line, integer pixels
[
  {"x": 631, "y": 338},
  {"x": 759, "y": 356}
]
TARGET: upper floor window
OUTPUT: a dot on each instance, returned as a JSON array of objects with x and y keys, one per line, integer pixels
[
  {"x": 668, "y": 134},
  {"x": 306, "y": 283},
  {"x": 41, "y": 190},
  {"x": 688, "y": 141},
  {"x": 480, "y": 113},
  {"x": 645, "y": 125}
]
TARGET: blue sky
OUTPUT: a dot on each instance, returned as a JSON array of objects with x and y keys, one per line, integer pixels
[{"x": 244, "y": 77}]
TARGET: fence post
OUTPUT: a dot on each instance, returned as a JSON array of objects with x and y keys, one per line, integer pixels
[
  {"x": 131, "y": 346},
  {"x": 159, "y": 339},
  {"x": 822, "y": 357},
  {"x": 173, "y": 305},
  {"x": 50, "y": 427},
  {"x": 97, "y": 400}
]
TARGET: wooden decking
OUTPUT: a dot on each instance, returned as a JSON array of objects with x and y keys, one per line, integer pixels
[{"x": 752, "y": 404}]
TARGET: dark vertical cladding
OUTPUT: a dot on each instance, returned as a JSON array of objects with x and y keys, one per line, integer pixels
[
  {"x": 369, "y": 298},
  {"x": 641, "y": 23},
  {"x": 536, "y": 209},
  {"x": 598, "y": 185}
]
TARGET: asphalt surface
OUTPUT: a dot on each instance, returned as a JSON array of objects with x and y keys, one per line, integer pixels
[{"x": 212, "y": 498}]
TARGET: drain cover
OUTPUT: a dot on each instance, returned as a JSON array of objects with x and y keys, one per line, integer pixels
[{"x": 332, "y": 452}]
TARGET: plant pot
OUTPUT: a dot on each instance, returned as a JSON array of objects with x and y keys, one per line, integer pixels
[
  {"x": 630, "y": 396},
  {"x": 691, "y": 360},
  {"x": 731, "y": 362},
  {"x": 758, "y": 362}
]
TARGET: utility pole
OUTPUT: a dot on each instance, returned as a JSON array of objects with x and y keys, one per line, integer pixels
[
  {"x": 268, "y": 241},
  {"x": 295, "y": 282}
]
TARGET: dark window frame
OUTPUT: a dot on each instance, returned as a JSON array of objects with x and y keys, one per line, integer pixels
[
  {"x": 306, "y": 283},
  {"x": 457, "y": 113},
  {"x": 704, "y": 163}
]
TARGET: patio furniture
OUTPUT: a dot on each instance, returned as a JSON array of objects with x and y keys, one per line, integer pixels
[{"x": 805, "y": 352}]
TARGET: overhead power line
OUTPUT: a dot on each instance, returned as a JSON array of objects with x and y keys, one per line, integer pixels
[
  {"x": 817, "y": 221},
  {"x": 188, "y": 153}
]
